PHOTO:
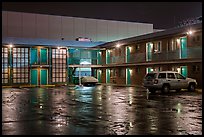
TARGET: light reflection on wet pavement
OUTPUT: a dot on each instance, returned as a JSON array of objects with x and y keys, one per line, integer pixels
[{"x": 100, "y": 110}]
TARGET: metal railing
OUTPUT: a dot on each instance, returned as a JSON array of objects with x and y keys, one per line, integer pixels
[{"x": 190, "y": 53}]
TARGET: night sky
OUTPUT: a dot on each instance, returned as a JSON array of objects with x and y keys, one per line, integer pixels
[{"x": 162, "y": 15}]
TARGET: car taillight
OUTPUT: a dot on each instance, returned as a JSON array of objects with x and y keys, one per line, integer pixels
[{"x": 155, "y": 81}]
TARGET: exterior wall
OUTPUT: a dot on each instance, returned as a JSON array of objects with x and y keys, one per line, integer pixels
[
  {"x": 103, "y": 75},
  {"x": 195, "y": 71},
  {"x": 103, "y": 57},
  {"x": 120, "y": 76},
  {"x": 140, "y": 72},
  {"x": 29, "y": 25}
]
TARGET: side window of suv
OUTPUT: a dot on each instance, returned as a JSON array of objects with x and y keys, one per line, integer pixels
[
  {"x": 170, "y": 75},
  {"x": 179, "y": 76},
  {"x": 162, "y": 75}
]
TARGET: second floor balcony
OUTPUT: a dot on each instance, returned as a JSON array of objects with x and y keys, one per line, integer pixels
[{"x": 189, "y": 53}]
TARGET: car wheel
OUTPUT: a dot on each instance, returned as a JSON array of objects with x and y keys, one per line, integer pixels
[
  {"x": 191, "y": 87},
  {"x": 165, "y": 89}
]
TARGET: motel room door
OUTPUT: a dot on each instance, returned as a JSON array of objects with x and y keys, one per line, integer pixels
[
  {"x": 34, "y": 77},
  {"x": 183, "y": 47},
  {"x": 128, "y": 76},
  {"x": 107, "y": 56},
  {"x": 107, "y": 75},
  {"x": 149, "y": 48},
  {"x": 184, "y": 71},
  {"x": 39, "y": 76},
  {"x": 99, "y": 75},
  {"x": 127, "y": 54}
]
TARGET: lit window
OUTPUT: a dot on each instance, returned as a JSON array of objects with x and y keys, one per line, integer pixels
[
  {"x": 157, "y": 47},
  {"x": 58, "y": 65}
]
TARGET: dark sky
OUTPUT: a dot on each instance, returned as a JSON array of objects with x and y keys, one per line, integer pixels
[{"x": 162, "y": 14}]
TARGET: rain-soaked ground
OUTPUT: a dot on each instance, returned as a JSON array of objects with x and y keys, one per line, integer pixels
[{"x": 100, "y": 110}]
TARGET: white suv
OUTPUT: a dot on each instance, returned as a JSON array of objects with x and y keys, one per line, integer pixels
[{"x": 168, "y": 80}]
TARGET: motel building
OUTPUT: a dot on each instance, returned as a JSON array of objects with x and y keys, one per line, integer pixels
[{"x": 43, "y": 50}]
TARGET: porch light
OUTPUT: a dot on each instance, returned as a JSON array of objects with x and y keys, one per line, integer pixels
[
  {"x": 130, "y": 71},
  {"x": 58, "y": 47},
  {"x": 10, "y": 45},
  {"x": 117, "y": 46},
  {"x": 189, "y": 32},
  {"x": 130, "y": 48},
  {"x": 179, "y": 70},
  {"x": 155, "y": 50}
]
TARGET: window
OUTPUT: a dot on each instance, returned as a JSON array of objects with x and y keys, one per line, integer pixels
[
  {"x": 194, "y": 39},
  {"x": 157, "y": 47},
  {"x": 59, "y": 65},
  {"x": 195, "y": 68},
  {"x": 170, "y": 75},
  {"x": 137, "y": 47},
  {"x": 162, "y": 75},
  {"x": 198, "y": 38},
  {"x": 4, "y": 65},
  {"x": 179, "y": 76},
  {"x": 20, "y": 65},
  {"x": 150, "y": 76},
  {"x": 121, "y": 73},
  {"x": 172, "y": 45},
  {"x": 112, "y": 73}
]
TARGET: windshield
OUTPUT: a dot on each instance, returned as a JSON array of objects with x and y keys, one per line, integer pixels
[{"x": 150, "y": 76}]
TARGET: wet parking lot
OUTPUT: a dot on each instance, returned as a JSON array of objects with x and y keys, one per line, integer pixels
[{"x": 100, "y": 110}]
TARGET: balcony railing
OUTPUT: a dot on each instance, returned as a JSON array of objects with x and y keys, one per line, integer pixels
[{"x": 191, "y": 53}]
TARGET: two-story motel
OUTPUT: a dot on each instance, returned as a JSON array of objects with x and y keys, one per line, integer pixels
[{"x": 35, "y": 61}]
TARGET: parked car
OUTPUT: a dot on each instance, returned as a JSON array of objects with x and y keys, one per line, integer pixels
[
  {"x": 89, "y": 81},
  {"x": 168, "y": 80}
]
